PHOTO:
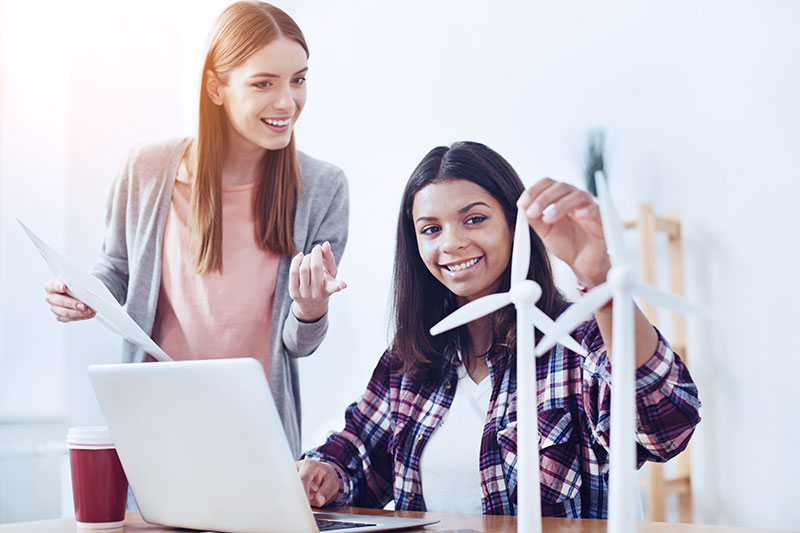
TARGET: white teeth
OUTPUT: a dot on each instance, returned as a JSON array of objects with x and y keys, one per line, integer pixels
[
  {"x": 278, "y": 123},
  {"x": 462, "y": 266}
]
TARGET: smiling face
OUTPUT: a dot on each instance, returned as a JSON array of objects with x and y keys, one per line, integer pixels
[
  {"x": 462, "y": 236},
  {"x": 263, "y": 97}
]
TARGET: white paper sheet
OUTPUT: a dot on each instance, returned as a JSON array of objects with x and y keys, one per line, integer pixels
[{"x": 90, "y": 290}]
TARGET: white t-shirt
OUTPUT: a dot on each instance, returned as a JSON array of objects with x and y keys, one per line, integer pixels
[{"x": 450, "y": 462}]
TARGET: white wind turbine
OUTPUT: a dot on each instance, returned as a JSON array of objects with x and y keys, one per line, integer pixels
[
  {"x": 523, "y": 293},
  {"x": 621, "y": 285}
]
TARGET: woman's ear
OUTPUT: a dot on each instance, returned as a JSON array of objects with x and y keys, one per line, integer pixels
[{"x": 214, "y": 88}]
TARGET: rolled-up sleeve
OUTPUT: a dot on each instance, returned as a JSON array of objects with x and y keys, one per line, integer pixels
[
  {"x": 667, "y": 405},
  {"x": 667, "y": 401},
  {"x": 360, "y": 452}
]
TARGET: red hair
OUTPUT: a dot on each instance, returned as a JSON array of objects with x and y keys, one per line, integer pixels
[{"x": 240, "y": 31}]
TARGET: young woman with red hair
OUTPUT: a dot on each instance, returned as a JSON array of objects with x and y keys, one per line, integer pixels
[{"x": 226, "y": 244}]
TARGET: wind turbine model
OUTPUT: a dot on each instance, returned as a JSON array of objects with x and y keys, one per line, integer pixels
[
  {"x": 621, "y": 285},
  {"x": 523, "y": 293}
]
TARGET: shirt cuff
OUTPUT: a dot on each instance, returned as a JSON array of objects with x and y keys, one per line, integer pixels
[
  {"x": 302, "y": 338},
  {"x": 651, "y": 374},
  {"x": 344, "y": 485}
]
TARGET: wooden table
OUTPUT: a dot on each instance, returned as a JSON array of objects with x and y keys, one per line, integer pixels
[{"x": 449, "y": 522}]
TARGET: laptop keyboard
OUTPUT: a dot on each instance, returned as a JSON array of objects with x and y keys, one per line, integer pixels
[{"x": 330, "y": 525}]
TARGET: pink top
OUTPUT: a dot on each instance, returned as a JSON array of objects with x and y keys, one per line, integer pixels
[{"x": 216, "y": 315}]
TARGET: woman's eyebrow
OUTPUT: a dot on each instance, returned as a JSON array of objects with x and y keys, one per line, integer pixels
[
  {"x": 470, "y": 206},
  {"x": 270, "y": 75},
  {"x": 460, "y": 211}
]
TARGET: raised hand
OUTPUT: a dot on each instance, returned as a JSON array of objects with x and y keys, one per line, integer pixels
[
  {"x": 567, "y": 219},
  {"x": 312, "y": 281}
]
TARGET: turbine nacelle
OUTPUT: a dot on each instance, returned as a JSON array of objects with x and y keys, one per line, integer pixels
[
  {"x": 525, "y": 292},
  {"x": 622, "y": 277}
]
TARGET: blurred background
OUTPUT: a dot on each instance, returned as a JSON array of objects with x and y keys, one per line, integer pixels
[{"x": 698, "y": 99}]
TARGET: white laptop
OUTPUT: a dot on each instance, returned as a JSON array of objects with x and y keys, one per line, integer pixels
[{"x": 203, "y": 448}]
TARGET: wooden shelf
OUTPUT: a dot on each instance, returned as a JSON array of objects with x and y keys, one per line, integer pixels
[{"x": 648, "y": 225}]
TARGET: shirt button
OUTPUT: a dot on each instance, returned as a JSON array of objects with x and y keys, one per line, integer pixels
[
  {"x": 420, "y": 436},
  {"x": 448, "y": 387}
]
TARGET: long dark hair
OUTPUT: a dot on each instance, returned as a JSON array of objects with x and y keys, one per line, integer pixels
[{"x": 419, "y": 299}]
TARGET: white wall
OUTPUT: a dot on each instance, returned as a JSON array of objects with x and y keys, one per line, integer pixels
[{"x": 698, "y": 98}]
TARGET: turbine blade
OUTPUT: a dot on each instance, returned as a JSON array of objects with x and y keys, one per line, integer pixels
[
  {"x": 471, "y": 311},
  {"x": 612, "y": 226},
  {"x": 521, "y": 253},
  {"x": 546, "y": 325},
  {"x": 575, "y": 315},
  {"x": 668, "y": 300}
]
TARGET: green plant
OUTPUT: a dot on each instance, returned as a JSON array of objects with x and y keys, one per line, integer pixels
[{"x": 595, "y": 158}]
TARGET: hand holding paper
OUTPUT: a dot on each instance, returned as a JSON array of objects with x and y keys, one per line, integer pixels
[
  {"x": 88, "y": 289},
  {"x": 65, "y": 307}
]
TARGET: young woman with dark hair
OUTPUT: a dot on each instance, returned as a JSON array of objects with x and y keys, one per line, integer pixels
[
  {"x": 201, "y": 231},
  {"x": 417, "y": 310},
  {"x": 436, "y": 428}
]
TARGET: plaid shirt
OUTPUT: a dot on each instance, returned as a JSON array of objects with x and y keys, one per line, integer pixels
[{"x": 377, "y": 454}]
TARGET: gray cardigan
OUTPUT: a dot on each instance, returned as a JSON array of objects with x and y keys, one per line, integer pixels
[{"x": 130, "y": 260}]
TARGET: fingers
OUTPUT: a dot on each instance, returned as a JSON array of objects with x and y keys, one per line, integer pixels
[
  {"x": 309, "y": 269},
  {"x": 294, "y": 276},
  {"x": 319, "y": 480},
  {"x": 317, "y": 281},
  {"x": 333, "y": 286},
  {"x": 592, "y": 211},
  {"x": 549, "y": 201},
  {"x": 65, "y": 307},
  {"x": 564, "y": 205},
  {"x": 328, "y": 259},
  {"x": 305, "y": 276},
  {"x": 526, "y": 199},
  {"x": 329, "y": 489},
  {"x": 312, "y": 282},
  {"x": 55, "y": 286}
]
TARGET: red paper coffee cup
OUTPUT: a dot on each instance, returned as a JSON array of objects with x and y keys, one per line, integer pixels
[{"x": 99, "y": 485}]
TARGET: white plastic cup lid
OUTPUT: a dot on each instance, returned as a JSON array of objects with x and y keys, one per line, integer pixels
[{"x": 89, "y": 436}]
